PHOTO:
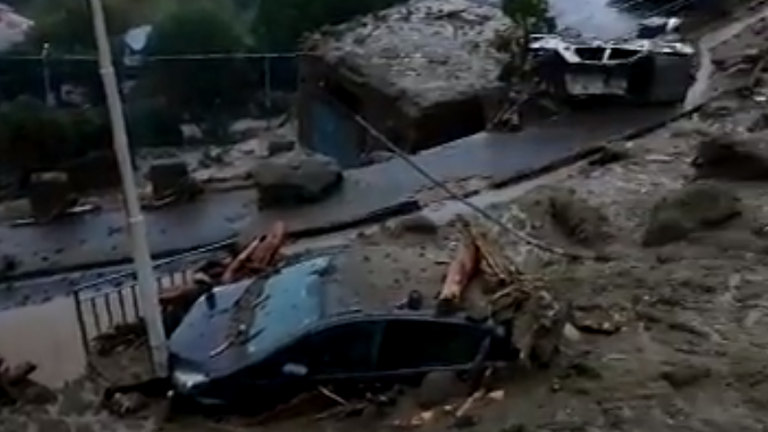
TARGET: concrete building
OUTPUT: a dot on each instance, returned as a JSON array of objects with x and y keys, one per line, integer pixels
[{"x": 418, "y": 73}]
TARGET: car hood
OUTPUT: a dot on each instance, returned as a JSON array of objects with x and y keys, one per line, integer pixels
[
  {"x": 205, "y": 328},
  {"x": 282, "y": 304}
]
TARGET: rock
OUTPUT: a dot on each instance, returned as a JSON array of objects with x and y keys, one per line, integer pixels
[
  {"x": 171, "y": 178},
  {"x": 734, "y": 158},
  {"x": 685, "y": 375},
  {"x": 276, "y": 147},
  {"x": 465, "y": 421},
  {"x": 759, "y": 123},
  {"x": 9, "y": 264},
  {"x": 245, "y": 129},
  {"x": 557, "y": 212},
  {"x": 610, "y": 155},
  {"x": 50, "y": 424},
  {"x": 415, "y": 224},
  {"x": 579, "y": 220},
  {"x": 719, "y": 108},
  {"x": 295, "y": 178},
  {"x": 50, "y": 195},
  {"x": 695, "y": 207},
  {"x": 377, "y": 156}
]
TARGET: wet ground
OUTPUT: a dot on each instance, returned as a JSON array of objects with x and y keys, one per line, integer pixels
[{"x": 489, "y": 159}]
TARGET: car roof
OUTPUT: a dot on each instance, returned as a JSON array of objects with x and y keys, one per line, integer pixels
[{"x": 375, "y": 279}]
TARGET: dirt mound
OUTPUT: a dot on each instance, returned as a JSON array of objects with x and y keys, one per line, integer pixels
[
  {"x": 695, "y": 207},
  {"x": 735, "y": 158},
  {"x": 554, "y": 212}
]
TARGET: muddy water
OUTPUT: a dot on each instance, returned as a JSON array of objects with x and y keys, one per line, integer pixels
[{"x": 46, "y": 334}]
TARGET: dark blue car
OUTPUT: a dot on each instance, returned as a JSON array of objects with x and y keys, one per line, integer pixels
[{"x": 259, "y": 343}]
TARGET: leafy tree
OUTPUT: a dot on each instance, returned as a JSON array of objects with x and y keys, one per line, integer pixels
[
  {"x": 278, "y": 26},
  {"x": 68, "y": 27},
  {"x": 36, "y": 136},
  {"x": 526, "y": 16},
  {"x": 197, "y": 86}
]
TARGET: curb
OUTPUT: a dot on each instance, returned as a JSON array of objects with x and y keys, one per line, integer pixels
[{"x": 398, "y": 209}]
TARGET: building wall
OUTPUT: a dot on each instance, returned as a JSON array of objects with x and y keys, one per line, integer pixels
[{"x": 354, "y": 96}]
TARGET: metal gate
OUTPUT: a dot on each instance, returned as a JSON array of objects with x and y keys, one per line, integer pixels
[{"x": 333, "y": 134}]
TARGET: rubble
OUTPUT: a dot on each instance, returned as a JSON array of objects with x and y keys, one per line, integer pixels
[
  {"x": 16, "y": 385},
  {"x": 295, "y": 178},
  {"x": 425, "y": 52}
]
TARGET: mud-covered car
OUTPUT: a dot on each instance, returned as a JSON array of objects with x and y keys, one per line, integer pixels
[{"x": 259, "y": 343}]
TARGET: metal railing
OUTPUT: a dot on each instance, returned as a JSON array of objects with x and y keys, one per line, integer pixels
[{"x": 104, "y": 304}]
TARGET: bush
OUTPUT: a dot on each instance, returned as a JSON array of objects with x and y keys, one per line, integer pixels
[
  {"x": 34, "y": 136},
  {"x": 152, "y": 123},
  {"x": 278, "y": 26},
  {"x": 198, "y": 86}
]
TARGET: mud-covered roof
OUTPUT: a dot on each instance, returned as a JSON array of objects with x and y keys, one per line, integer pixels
[{"x": 425, "y": 52}]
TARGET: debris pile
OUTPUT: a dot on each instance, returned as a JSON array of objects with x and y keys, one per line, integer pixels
[
  {"x": 520, "y": 303},
  {"x": 17, "y": 387}
]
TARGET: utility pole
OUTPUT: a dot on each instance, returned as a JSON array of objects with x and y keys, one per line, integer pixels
[
  {"x": 147, "y": 285},
  {"x": 50, "y": 100}
]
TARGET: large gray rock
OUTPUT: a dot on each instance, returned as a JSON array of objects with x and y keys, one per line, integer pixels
[
  {"x": 693, "y": 208},
  {"x": 295, "y": 178},
  {"x": 731, "y": 157}
]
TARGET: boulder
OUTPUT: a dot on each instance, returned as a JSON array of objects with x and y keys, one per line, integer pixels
[
  {"x": 171, "y": 178},
  {"x": 295, "y": 178},
  {"x": 731, "y": 157},
  {"x": 695, "y": 207},
  {"x": 50, "y": 194}
]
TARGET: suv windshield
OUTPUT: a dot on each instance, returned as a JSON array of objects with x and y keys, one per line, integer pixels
[{"x": 289, "y": 301}]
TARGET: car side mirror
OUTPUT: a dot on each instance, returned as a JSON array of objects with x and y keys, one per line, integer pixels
[{"x": 295, "y": 370}]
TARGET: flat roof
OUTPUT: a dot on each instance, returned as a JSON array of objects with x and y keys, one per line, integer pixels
[{"x": 425, "y": 52}]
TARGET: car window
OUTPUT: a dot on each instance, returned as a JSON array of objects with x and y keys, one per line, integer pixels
[
  {"x": 346, "y": 348},
  {"x": 414, "y": 344},
  {"x": 272, "y": 366}
]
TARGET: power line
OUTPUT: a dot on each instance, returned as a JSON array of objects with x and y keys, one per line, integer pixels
[
  {"x": 405, "y": 157},
  {"x": 246, "y": 55}
]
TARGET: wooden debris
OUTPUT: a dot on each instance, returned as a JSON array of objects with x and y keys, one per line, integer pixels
[
  {"x": 259, "y": 255},
  {"x": 534, "y": 318},
  {"x": 332, "y": 395},
  {"x": 14, "y": 380},
  {"x": 460, "y": 272}
]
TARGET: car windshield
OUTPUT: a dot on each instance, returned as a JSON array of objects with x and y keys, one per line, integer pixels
[{"x": 289, "y": 301}]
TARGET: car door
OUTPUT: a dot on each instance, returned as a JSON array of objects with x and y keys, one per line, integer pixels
[
  {"x": 265, "y": 384},
  {"x": 345, "y": 351},
  {"x": 414, "y": 346}
]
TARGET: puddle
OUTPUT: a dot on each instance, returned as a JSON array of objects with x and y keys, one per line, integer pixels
[{"x": 47, "y": 335}]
